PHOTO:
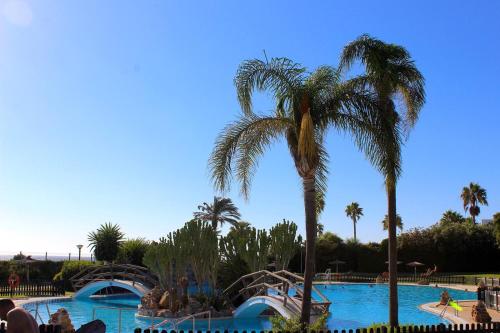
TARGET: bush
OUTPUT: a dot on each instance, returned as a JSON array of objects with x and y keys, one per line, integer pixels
[
  {"x": 105, "y": 242},
  {"x": 68, "y": 270},
  {"x": 132, "y": 251},
  {"x": 374, "y": 326},
  {"x": 40, "y": 270},
  {"x": 280, "y": 324}
]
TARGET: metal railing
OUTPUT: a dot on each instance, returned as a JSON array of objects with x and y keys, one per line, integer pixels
[
  {"x": 488, "y": 282},
  {"x": 120, "y": 310},
  {"x": 175, "y": 323},
  {"x": 402, "y": 277}
]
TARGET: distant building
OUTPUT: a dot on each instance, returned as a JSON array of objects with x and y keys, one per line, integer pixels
[{"x": 486, "y": 221}]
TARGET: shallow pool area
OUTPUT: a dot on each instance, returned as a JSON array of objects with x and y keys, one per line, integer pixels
[{"x": 353, "y": 306}]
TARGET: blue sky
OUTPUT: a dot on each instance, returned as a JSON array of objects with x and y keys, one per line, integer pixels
[{"x": 109, "y": 110}]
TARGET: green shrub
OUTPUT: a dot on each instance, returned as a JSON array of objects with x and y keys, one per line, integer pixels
[
  {"x": 280, "y": 324},
  {"x": 68, "y": 270},
  {"x": 132, "y": 251},
  {"x": 39, "y": 270},
  {"x": 105, "y": 242},
  {"x": 386, "y": 325}
]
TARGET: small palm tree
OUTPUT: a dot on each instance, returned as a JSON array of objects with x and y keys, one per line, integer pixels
[
  {"x": 307, "y": 105},
  {"x": 398, "y": 87},
  {"x": 354, "y": 212},
  {"x": 451, "y": 217},
  {"x": 220, "y": 211},
  {"x": 473, "y": 196},
  {"x": 105, "y": 241},
  {"x": 399, "y": 222}
]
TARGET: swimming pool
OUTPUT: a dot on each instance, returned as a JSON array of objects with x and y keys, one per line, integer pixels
[{"x": 353, "y": 306}]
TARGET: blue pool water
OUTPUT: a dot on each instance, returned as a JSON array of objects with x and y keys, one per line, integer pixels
[{"x": 353, "y": 306}]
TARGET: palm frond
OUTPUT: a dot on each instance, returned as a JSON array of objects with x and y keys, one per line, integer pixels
[
  {"x": 240, "y": 144},
  {"x": 280, "y": 76}
]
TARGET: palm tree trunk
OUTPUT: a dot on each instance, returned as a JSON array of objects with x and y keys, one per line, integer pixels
[
  {"x": 354, "y": 223},
  {"x": 310, "y": 212},
  {"x": 393, "y": 255}
]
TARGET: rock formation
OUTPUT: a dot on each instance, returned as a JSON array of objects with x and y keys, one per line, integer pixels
[
  {"x": 61, "y": 317},
  {"x": 480, "y": 314}
]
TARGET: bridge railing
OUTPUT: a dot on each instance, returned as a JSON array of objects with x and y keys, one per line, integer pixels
[
  {"x": 136, "y": 274},
  {"x": 281, "y": 282}
]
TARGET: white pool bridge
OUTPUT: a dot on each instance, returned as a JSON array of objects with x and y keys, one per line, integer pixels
[
  {"x": 280, "y": 291},
  {"x": 135, "y": 279}
]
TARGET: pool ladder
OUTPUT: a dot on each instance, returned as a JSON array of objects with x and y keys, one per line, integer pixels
[
  {"x": 37, "y": 313},
  {"x": 175, "y": 323},
  {"x": 120, "y": 310},
  {"x": 446, "y": 307}
]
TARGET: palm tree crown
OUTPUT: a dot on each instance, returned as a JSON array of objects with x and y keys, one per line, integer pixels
[
  {"x": 451, "y": 217},
  {"x": 105, "y": 241},
  {"x": 307, "y": 104},
  {"x": 399, "y": 222},
  {"x": 473, "y": 196},
  {"x": 391, "y": 75},
  {"x": 354, "y": 212},
  {"x": 220, "y": 211}
]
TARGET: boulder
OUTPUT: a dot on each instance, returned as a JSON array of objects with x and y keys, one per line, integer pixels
[
  {"x": 61, "y": 317},
  {"x": 95, "y": 326},
  {"x": 5, "y": 306},
  {"x": 164, "y": 302},
  {"x": 480, "y": 314},
  {"x": 20, "y": 321}
]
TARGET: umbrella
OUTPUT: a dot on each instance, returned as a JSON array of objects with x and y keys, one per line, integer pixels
[
  {"x": 337, "y": 263},
  {"x": 414, "y": 264}
]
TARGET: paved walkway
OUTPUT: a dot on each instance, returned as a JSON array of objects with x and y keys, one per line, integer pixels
[{"x": 464, "y": 316}]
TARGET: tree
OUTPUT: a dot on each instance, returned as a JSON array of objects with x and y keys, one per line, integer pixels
[
  {"x": 399, "y": 222},
  {"x": 496, "y": 224},
  {"x": 451, "y": 217},
  {"x": 105, "y": 242},
  {"x": 249, "y": 244},
  {"x": 390, "y": 74},
  {"x": 307, "y": 104},
  {"x": 284, "y": 243},
  {"x": 320, "y": 207},
  {"x": 321, "y": 229},
  {"x": 354, "y": 212},
  {"x": 132, "y": 251},
  {"x": 221, "y": 211},
  {"x": 473, "y": 196}
]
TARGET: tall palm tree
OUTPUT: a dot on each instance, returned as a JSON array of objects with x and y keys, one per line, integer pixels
[
  {"x": 354, "y": 212},
  {"x": 473, "y": 196},
  {"x": 398, "y": 86},
  {"x": 307, "y": 104},
  {"x": 220, "y": 211},
  {"x": 399, "y": 222}
]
